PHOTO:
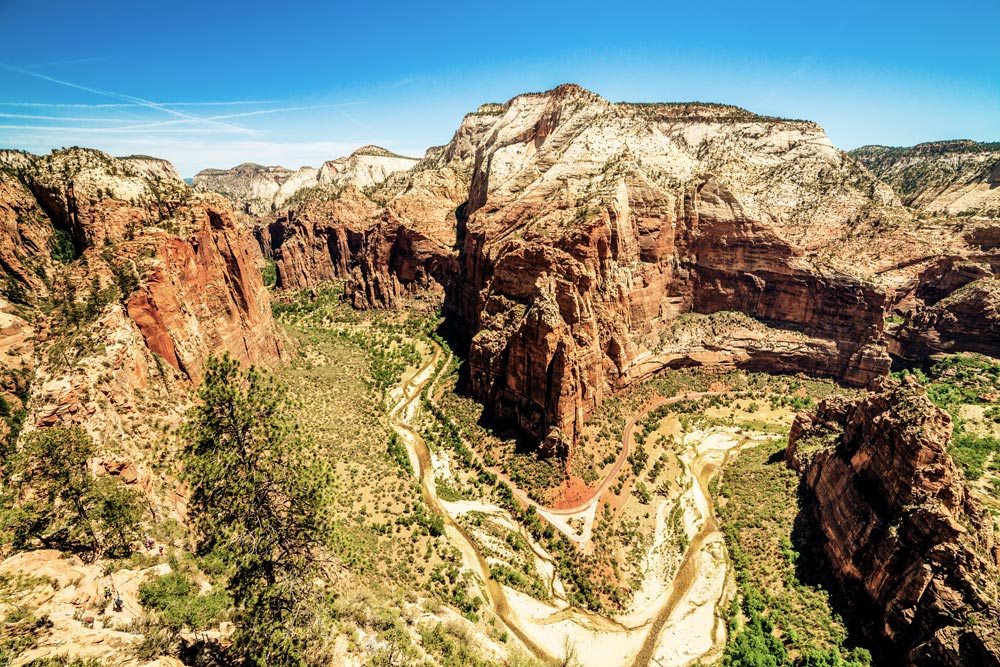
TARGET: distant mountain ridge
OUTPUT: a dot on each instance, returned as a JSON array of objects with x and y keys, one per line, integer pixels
[
  {"x": 956, "y": 177},
  {"x": 259, "y": 189}
]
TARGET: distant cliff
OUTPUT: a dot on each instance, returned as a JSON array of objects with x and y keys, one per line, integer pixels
[
  {"x": 955, "y": 177},
  {"x": 260, "y": 190}
]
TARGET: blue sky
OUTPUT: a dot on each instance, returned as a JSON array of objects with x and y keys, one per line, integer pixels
[{"x": 218, "y": 83}]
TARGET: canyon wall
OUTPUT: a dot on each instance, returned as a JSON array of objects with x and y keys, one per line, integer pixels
[
  {"x": 900, "y": 526},
  {"x": 130, "y": 280},
  {"x": 568, "y": 234}
]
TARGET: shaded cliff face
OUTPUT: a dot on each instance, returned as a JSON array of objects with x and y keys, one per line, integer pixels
[
  {"x": 953, "y": 177},
  {"x": 900, "y": 525},
  {"x": 140, "y": 292},
  {"x": 593, "y": 225},
  {"x": 260, "y": 190},
  {"x": 568, "y": 234}
]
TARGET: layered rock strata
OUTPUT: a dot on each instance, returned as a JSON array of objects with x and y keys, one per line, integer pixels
[{"x": 899, "y": 524}]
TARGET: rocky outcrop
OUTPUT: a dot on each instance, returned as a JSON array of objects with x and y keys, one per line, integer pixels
[
  {"x": 592, "y": 226},
  {"x": 155, "y": 279},
  {"x": 953, "y": 305},
  {"x": 366, "y": 167},
  {"x": 260, "y": 190},
  {"x": 99, "y": 199},
  {"x": 203, "y": 293},
  {"x": 966, "y": 320},
  {"x": 953, "y": 177},
  {"x": 81, "y": 624},
  {"x": 899, "y": 524}
]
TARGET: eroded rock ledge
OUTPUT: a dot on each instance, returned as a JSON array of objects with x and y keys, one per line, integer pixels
[{"x": 900, "y": 525}]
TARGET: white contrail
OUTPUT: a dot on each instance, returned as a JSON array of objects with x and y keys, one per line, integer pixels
[
  {"x": 113, "y": 130},
  {"x": 162, "y": 123},
  {"x": 90, "y": 119},
  {"x": 244, "y": 114},
  {"x": 121, "y": 105},
  {"x": 127, "y": 98}
]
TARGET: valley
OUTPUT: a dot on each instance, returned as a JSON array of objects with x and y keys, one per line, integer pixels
[{"x": 592, "y": 384}]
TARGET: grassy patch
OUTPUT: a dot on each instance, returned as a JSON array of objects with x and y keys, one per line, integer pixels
[
  {"x": 968, "y": 387},
  {"x": 780, "y": 618}
]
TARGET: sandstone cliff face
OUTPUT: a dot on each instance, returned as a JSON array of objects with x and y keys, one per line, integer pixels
[
  {"x": 953, "y": 177},
  {"x": 900, "y": 525},
  {"x": 395, "y": 240},
  {"x": 593, "y": 225},
  {"x": 158, "y": 278},
  {"x": 260, "y": 190}
]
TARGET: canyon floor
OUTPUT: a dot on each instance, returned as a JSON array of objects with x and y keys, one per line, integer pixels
[{"x": 445, "y": 556}]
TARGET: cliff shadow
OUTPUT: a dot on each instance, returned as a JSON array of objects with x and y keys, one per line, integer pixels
[
  {"x": 813, "y": 568},
  {"x": 458, "y": 340}
]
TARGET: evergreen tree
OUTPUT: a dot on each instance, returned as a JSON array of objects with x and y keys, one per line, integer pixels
[
  {"x": 50, "y": 496},
  {"x": 257, "y": 503}
]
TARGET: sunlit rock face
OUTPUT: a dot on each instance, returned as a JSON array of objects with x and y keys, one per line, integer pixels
[{"x": 900, "y": 525}]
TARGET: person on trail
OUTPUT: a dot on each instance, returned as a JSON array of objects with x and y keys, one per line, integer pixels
[{"x": 119, "y": 603}]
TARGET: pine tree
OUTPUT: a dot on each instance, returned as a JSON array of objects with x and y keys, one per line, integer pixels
[
  {"x": 51, "y": 497},
  {"x": 257, "y": 503}
]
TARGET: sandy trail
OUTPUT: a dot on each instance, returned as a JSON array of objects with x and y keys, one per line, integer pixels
[
  {"x": 675, "y": 622},
  {"x": 400, "y": 416}
]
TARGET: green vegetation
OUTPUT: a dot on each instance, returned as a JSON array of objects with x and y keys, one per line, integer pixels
[
  {"x": 61, "y": 246},
  {"x": 257, "y": 503},
  {"x": 451, "y": 644},
  {"x": 780, "y": 618},
  {"x": 269, "y": 273},
  {"x": 955, "y": 382},
  {"x": 177, "y": 598},
  {"x": 12, "y": 410},
  {"x": 397, "y": 452},
  {"x": 51, "y": 499}
]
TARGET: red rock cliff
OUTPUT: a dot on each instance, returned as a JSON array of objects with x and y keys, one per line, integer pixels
[
  {"x": 900, "y": 524},
  {"x": 204, "y": 295}
]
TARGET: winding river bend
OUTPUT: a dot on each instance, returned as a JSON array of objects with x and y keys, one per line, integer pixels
[{"x": 682, "y": 624}]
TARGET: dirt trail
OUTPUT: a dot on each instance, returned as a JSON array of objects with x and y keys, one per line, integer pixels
[
  {"x": 680, "y": 625},
  {"x": 398, "y": 417},
  {"x": 585, "y": 509}
]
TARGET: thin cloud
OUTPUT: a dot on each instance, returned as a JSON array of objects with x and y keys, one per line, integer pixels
[
  {"x": 127, "y": 98},
  {"x": 123, "y": 105}
]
